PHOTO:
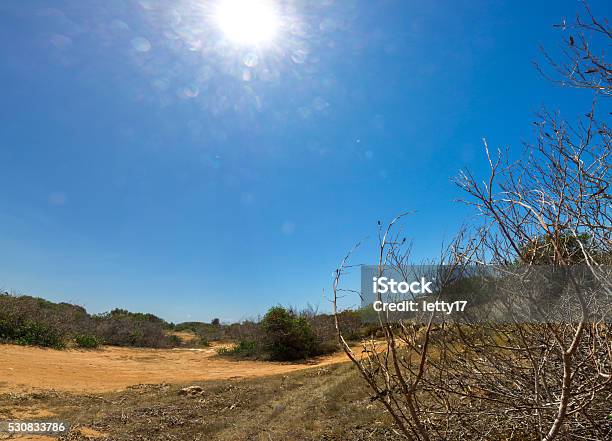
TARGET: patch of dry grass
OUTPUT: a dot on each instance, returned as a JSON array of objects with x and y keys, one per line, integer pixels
[{"x": 322, "y": 403}]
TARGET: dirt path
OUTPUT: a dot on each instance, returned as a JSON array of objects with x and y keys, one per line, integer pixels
[{"x": 25, "y": 369}]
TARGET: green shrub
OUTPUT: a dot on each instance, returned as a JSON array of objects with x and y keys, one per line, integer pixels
[
  {"x": 175, "y": 340},
  {"x": 371, "y": 330},
  {"x": 117, "y": 330},
  {"x": 40, "y": 334},
  {"x": 31, "y": 333},
  {"x": 327, "y": 347},
  {"x": 87, "y": 341},
  {"x": 245, "y": 348},
  {"x": 33, "y": 321},
  {"x": 6, "y": 331},
  {"x": 287, "y": 336},
  {"x": 204, "y": 342}
]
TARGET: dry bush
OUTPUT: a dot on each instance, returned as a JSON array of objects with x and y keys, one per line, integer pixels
[{"x": 486, "y": 379}]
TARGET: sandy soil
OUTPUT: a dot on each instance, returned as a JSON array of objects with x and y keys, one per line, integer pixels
[{"x": 27, "y": 369}]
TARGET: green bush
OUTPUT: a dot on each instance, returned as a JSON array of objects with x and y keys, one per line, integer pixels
[
  {"x": 287, "y": 336},
  {"x": 33, "y": 333},
  {"x": 87, "y": 341},
  {"x": 117, "y": 330},
  {"x": 371, "y": 330},
  {"x": 175, "y": 340},
  {"x": 245, "y": 348},
  {"x": 33, "y": 321},
  {"x": 327, "y": 347},
  {"x": 30, "y": 333},
  {"x": 204, "y": 342}
]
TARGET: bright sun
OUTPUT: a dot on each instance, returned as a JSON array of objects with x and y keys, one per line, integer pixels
[{"x": 248, "y": 22}]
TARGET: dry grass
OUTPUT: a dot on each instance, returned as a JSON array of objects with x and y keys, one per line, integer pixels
[{"x": 322, "y": 403}]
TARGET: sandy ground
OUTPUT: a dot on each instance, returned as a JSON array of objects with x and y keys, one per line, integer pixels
[{"x": 28, "y": 369}]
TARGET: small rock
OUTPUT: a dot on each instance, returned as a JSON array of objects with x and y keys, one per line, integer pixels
[
  {"x": 191, "y": 390},
  {"x": 278, "y": 409}
]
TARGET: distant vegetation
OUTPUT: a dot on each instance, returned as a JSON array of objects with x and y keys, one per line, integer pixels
[
  {"x": 34, "y": 321},
  {"x": 282, "y": 334},
  {"x": 285, "y": 334}
]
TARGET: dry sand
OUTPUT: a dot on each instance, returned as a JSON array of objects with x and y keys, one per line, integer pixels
[{"x": 27, "y": 369}]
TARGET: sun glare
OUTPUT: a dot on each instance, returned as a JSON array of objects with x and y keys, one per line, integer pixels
[{"x": 248, "y": 22}]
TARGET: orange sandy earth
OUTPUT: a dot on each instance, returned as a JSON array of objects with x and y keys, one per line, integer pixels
[{"x": 26, "y": 369}]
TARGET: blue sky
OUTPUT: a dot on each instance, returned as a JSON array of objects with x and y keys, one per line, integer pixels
[{"x": 149, "y": 163}]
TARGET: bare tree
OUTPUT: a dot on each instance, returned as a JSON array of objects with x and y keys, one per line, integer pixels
[
  {"x": 582, "y": 63},
  {"x": 487, "y": 379}
]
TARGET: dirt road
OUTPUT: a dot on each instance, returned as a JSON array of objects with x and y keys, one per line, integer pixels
[{"x": 26, "y": 369}]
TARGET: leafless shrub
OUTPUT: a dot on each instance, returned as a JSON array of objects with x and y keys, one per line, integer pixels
[
  {"x": 583, "y": 63},
  {"x": 479, "y": 379}
]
